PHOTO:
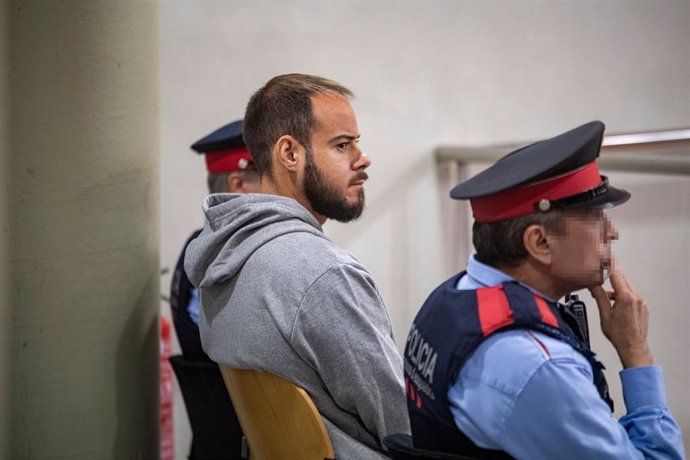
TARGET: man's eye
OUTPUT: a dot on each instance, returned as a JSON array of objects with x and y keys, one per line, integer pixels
[{"x": 342, "y": 146}]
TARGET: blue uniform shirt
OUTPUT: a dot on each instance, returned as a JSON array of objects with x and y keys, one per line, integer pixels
[
  {"x": 532, "y": 396},
  {"x": 194, "y": 305}
]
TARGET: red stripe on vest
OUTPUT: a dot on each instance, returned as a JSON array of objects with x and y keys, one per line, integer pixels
[
  {"x": 493, "y": 309},
  {"x": 547, "y": 315}
]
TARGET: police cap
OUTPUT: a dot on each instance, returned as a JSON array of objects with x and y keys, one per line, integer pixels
[
  {"x": 225, "y": 150},
  {"x": 556, "y": 173}
]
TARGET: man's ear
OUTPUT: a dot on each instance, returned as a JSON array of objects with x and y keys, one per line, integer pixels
[
  {"x": 288, "y": 152},
  {"x": 538, "y": 243}
]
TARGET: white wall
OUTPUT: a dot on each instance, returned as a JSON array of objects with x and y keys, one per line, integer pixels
[{"x": 425, "y": 73}]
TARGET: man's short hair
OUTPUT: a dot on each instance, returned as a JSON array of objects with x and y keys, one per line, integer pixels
[
  {"x": 283, "y": 106},
  {"x": 499, "y": 244}
]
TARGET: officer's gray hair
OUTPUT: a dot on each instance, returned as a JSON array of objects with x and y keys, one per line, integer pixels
[
  {"x": 283, "y": 107},
  {"x": 218, "y": 182},
  {"x": 499, "y": 244}
]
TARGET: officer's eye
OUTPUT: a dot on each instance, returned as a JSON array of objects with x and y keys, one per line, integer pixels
[{"x": 342, "y": 146}]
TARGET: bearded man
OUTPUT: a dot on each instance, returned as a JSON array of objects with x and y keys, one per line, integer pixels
[{"x": 276, "y": 294}]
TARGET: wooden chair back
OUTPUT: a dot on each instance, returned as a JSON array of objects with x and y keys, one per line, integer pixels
[{"x": 278, "y": 418}]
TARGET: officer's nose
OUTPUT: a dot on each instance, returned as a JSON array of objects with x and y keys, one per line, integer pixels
[{"x": 611, "y": 230}]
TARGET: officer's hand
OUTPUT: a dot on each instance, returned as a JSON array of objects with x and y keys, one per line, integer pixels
[{"x": 625, "y": 321}]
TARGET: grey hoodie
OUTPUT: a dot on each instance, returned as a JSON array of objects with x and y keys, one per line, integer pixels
[{"x": 278, "y": 296}]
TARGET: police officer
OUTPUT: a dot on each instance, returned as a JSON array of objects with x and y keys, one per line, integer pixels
[
  {"x": 494, "y": 365},
  {"x": 231, "y": 169},
  {"x": 216, "y": 431}
]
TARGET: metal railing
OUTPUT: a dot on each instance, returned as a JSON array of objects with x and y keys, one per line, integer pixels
[{"x": 663, "y": 152}]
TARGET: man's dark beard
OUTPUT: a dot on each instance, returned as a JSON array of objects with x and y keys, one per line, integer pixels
[{"x": 325, "y": 199}]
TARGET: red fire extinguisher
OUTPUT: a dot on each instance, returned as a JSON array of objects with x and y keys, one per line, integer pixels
[{"x": 167, "y": 425}]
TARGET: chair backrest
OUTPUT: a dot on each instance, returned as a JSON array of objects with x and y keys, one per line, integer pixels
[{"x": 278, "y": 418}]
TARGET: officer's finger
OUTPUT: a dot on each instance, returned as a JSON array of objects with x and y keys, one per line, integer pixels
[
  {"x": 623, "y": 285},
  {"x": 619, "y": 282},
  {"x": 613, "y": 263},
  {"x": 602, "y": 298}
]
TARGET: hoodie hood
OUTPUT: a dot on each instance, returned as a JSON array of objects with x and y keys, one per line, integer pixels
[{"x": 236, "y": 226}]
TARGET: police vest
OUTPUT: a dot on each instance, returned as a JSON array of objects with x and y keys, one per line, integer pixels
[
  {"x": 180, "y": 294},
  {"x": 450, "y": 325}
]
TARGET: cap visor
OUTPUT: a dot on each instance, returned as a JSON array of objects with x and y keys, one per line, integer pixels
[{"x": 612, "y": 198}]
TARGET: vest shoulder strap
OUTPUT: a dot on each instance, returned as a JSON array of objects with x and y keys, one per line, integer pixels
[{"x": 510, "y": 304}]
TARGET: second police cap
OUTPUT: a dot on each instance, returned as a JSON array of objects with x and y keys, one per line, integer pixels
[
  {"x": 556, "y": 173},
  {"x": 225, "y": 150}
]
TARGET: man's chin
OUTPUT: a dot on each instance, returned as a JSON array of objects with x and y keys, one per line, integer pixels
[
  {"x": 355, "y": 199},
  {"x": 350, "y": 215}
]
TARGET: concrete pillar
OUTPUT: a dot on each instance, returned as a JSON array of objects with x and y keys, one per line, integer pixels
[
  {"x": 84, "y": 233},
  {"x": 4, "y": 228}
]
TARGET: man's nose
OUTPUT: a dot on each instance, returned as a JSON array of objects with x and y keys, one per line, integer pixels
[{"x": 363, "y": 161}]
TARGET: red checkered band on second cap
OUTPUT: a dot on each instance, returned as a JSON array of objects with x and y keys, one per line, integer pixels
[
  {"x": 221, "y": 161},
  {"x": 520, "y": 201}
]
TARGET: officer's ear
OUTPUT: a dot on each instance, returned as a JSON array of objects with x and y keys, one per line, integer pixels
[
  {"x": 235, "y": 182},
  {"x": 538, "y": 243},
  {"x": 289, "y": 153}
]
